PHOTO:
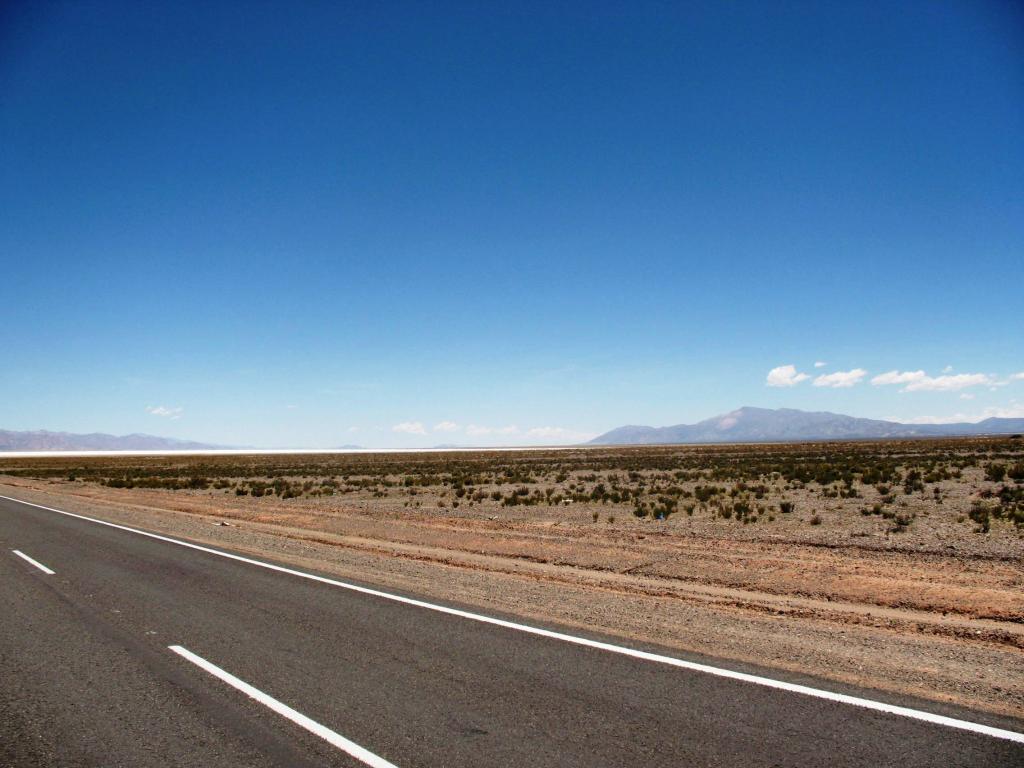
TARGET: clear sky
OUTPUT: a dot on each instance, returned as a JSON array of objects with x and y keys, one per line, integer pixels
[{"x": 306, "y": 225}]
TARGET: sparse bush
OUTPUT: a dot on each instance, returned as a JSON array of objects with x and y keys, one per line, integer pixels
[
  {"x": 900, "y": 523},
  {"x": 981, "y": 514},
  {"x": 995, "y": 472}
]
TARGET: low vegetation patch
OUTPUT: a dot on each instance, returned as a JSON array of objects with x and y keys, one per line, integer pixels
[{"x": 893, "y": 485}]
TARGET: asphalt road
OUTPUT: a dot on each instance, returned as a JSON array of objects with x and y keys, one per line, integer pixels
[{"x": 88, "y": 677}]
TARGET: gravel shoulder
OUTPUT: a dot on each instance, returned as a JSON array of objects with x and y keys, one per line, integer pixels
[{"x": 930, "y": 619}]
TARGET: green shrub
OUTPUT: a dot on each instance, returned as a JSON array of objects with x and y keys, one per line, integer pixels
[
  {"x": 995, "y": 472},
  {"x": 981, "y": 514}
]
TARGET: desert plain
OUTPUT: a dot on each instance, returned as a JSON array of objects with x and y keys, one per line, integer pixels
[{"x": 896, "y": 566}]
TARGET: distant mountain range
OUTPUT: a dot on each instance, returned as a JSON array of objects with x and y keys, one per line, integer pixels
[
  {"x": 785, "y": 424},
  {"x": 42, "y": 440},
  {"x": 746, "y": 425}
]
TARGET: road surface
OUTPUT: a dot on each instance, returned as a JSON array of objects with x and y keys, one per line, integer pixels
[{"x": 124, "y": 649}]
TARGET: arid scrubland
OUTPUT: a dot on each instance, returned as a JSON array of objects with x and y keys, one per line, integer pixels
[{"x": 896, "y": 565}]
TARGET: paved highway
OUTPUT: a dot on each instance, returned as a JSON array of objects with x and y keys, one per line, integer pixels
[{"x": 124, "y": 649}]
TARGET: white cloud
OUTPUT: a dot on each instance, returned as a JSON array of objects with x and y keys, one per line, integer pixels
[
  {"x": 966, "y": 396},
  {"x": 820, "y": 364},
  {"x": 410, "y": 428},
  {"x": 552, "y": 433},
  {"x": 895, "y": 377},
  {"x": 785, "y": 376},
  {"x": 1017, "y": 376},
  {"x": 955, "y": 418},
  {"x": 167, "y": 413},
  {"x": 919, "y": 381},
  {"x": 476, "y": 430},
  {"x": 1014, "y": 410},
  {"x": 446, "y": 426},
  {"x": 558, "y": 435},
  {"x": 353, "y": 429},
  {"x": 291, "y": 407},
  {"x": 950, "y": 383},
  {"x": 841, "y": 378},
  {"x": 948, "y": 369}
]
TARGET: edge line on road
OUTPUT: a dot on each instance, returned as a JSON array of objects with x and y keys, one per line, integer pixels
[
  {"x": 36, "y": 563},
  {"x": 768, "y": 682},
  {"x": 332, "y": 737}
]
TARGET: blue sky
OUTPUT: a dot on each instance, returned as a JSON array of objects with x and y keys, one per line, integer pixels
[{"x": 409, "y": 224}]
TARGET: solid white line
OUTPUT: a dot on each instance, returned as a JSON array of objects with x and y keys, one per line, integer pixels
[
  {"x": 842, "y": 698},
  {"x": 36, "y": 563},
  {"x": 325, "y": 733}
]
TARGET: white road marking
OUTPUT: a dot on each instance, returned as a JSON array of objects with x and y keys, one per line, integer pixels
[
  {"x": 36, "y": 563},
  {"x": 325, "y": 733},
  {"x": 842, "y": 698}
]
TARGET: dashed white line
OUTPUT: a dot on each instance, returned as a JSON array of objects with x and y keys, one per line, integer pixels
[
  {"x": 332, "y": 737},
  {"x": 804, "y": 690},
  {"x": 36, "y": 563}
]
